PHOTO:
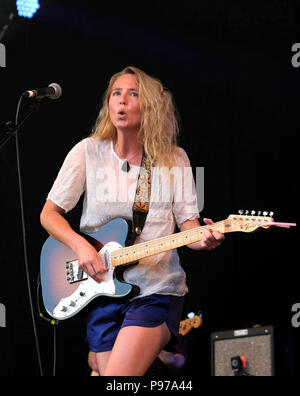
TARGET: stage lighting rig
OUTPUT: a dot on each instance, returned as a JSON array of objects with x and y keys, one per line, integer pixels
[{"x": 27, "y": 8}]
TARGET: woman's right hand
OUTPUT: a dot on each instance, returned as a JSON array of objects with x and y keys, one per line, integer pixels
[
  {"x": 58, "y": 227},
  {"x": 90, "y": 262}
]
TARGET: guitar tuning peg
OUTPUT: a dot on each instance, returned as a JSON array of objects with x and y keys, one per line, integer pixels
[
  {"x": 246, "y": 212},
  {"x": 241, "y": 212},
  {"x": 265, "y": 213},
  {"x": 191, "y": 315},
  {"x": 271, "y": 214},
  {"x": 252, "y": 212},
  {"x": 259, "y": 213}
]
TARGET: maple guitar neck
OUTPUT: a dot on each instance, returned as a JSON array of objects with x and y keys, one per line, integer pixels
[
  {"x": 163, "y": 244},
  {"x": 232, "y": 224}
]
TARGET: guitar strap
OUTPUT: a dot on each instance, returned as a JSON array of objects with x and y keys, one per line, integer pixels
[{"x": 140, "y": 207}]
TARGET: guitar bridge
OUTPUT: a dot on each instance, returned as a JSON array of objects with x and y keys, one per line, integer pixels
[{"x": 74, "y": 273}]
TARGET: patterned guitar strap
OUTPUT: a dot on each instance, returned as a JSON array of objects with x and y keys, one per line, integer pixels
[{"x": 140, "y": 207}]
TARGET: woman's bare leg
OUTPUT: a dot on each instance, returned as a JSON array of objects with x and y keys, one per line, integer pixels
[
  {"x": 102, "y": 359},
  {"x": 92, "y": 362},
  {"x": 135, "y": 350}
]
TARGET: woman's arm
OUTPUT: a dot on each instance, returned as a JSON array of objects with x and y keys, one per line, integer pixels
[
  {"x": 211, "y": 239},
  {"x": 58, "y": 227}
]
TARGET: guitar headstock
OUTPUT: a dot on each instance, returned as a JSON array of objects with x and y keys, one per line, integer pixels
[
  {"x": 186, "y": 325},
  {"x": 247, "y": 221}
]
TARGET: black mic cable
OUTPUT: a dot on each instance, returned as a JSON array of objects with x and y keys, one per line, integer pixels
[
  {"x": 24, "y": 237},
  {"x": 54, "y": 92},
  {"x": 52, "y": 322}
]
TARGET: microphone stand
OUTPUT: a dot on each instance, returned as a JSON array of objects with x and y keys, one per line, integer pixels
[
  {"x": 12, "y": 130},
  {"x": 7, "y": 25}
]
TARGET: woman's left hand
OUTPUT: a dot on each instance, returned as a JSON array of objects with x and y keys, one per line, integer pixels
[{"x": 211, "y": 239}]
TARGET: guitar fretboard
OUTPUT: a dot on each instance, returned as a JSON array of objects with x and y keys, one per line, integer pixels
[{"x": 145, "y": 249}]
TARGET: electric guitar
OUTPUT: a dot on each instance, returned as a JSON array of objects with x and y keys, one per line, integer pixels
[{"x": 66, "y": 289}]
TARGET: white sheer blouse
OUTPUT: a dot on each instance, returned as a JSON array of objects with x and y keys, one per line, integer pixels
[{"x": 93, "y": 168}]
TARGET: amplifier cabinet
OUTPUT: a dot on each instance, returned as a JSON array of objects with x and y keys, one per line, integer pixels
[{"x": 255, "y": 347}]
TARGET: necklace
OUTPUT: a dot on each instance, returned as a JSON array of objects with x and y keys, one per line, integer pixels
[{"x": 125, "y": 166}]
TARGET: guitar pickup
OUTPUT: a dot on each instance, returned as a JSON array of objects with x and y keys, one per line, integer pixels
[{"x": 74, "y": 273}]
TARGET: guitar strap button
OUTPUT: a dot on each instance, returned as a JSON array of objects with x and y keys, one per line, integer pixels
[{"x": 138, "y": 230}]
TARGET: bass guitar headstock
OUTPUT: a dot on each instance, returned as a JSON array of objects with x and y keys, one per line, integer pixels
[{"x": 187, "y": 325}]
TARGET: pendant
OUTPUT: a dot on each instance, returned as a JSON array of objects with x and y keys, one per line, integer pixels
[{"x": 125, "y": 166}]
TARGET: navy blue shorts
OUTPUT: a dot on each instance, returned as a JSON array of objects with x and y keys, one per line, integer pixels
[{"x": 105, "y": 322}]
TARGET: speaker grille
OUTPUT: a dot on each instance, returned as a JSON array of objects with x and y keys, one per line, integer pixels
[{"x": 257, "y": 347}]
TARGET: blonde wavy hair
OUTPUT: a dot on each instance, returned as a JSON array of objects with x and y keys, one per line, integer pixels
[{"x": 159, "y": 127}]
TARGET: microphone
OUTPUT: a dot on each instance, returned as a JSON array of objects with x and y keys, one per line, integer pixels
[{"x": 53, "y": 91}]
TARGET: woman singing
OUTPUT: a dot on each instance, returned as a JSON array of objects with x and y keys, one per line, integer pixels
[{"x": 138, "y": 114}]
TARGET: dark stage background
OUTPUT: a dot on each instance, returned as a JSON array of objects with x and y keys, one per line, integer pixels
[{"x": 228, "y": 65}]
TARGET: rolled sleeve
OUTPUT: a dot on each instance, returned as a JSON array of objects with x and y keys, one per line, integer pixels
[
  {"x": 71, "y": 179},
  {"x": 185, "y": 204}
]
